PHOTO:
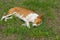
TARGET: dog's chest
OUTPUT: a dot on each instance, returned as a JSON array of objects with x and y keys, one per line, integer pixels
[{"x": 31, "y": 17}]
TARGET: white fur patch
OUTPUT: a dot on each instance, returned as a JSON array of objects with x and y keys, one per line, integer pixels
[{"x": 31, "y": 17}]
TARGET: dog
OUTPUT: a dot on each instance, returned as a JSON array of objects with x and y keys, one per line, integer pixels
[{"x": 24, "y": 14}]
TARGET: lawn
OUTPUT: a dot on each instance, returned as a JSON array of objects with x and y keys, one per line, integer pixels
[{"x": 48, "y": 30}]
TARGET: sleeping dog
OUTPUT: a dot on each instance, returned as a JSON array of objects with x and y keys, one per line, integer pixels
[{"x": 24, "y": 14}]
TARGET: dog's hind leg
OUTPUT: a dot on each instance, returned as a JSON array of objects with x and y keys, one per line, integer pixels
[{"x": 6, "y": 17}]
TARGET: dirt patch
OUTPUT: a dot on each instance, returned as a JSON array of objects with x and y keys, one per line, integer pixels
[
  {"x": 35, "y": 38},
  {"x": 0, "y": 9},
  {"x": 2, "y": 27},
  {"x": 10, "y": 37},
  {"x": 6, "y": 0},
  {"x": 55, "y": 23},
  {"x": 57, "y": 14}
]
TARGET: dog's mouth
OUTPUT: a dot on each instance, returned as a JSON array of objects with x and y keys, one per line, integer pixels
[{"x": 34, "y": 26}]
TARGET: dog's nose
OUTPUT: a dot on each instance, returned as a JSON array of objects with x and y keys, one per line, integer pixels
[{"x": 34, "y": 26}]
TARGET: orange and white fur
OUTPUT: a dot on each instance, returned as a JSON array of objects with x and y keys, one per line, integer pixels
[{"x": 24, "y": 14}]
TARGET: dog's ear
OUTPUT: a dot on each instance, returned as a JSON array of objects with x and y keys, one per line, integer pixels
[{"x": 41, "y": 15}]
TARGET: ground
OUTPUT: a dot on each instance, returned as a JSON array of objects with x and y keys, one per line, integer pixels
[{"x": 48, "y": 30}]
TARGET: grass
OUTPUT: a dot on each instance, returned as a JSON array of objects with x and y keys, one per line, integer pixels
[{"x": 48, "y": 30}]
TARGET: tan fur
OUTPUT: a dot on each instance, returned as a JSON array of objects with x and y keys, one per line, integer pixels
[
  {"x": 37, "y": 20},
  {"x": 20, "y": 11},
  {"x": 41, "y": 15},
  {"x": 27, "y": 14}
]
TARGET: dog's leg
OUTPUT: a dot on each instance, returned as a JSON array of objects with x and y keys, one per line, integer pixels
[
  {"x": 24, "y": 24},
  {"x": 27, "y": 23},
  {"x": 6, "y": 17},
  {"x": 3, "y": 17}
]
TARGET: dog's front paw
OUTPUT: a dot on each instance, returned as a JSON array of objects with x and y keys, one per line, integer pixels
[{"x": 23, "y": 24}]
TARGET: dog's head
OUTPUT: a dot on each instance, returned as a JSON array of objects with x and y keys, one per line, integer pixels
[{"x": 37, "y": 21}]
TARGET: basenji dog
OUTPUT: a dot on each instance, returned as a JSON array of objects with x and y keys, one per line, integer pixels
[{"x": 24, "y": 14}]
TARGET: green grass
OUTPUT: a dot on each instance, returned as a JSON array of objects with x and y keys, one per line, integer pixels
[{"x": 48, "y": 30}]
